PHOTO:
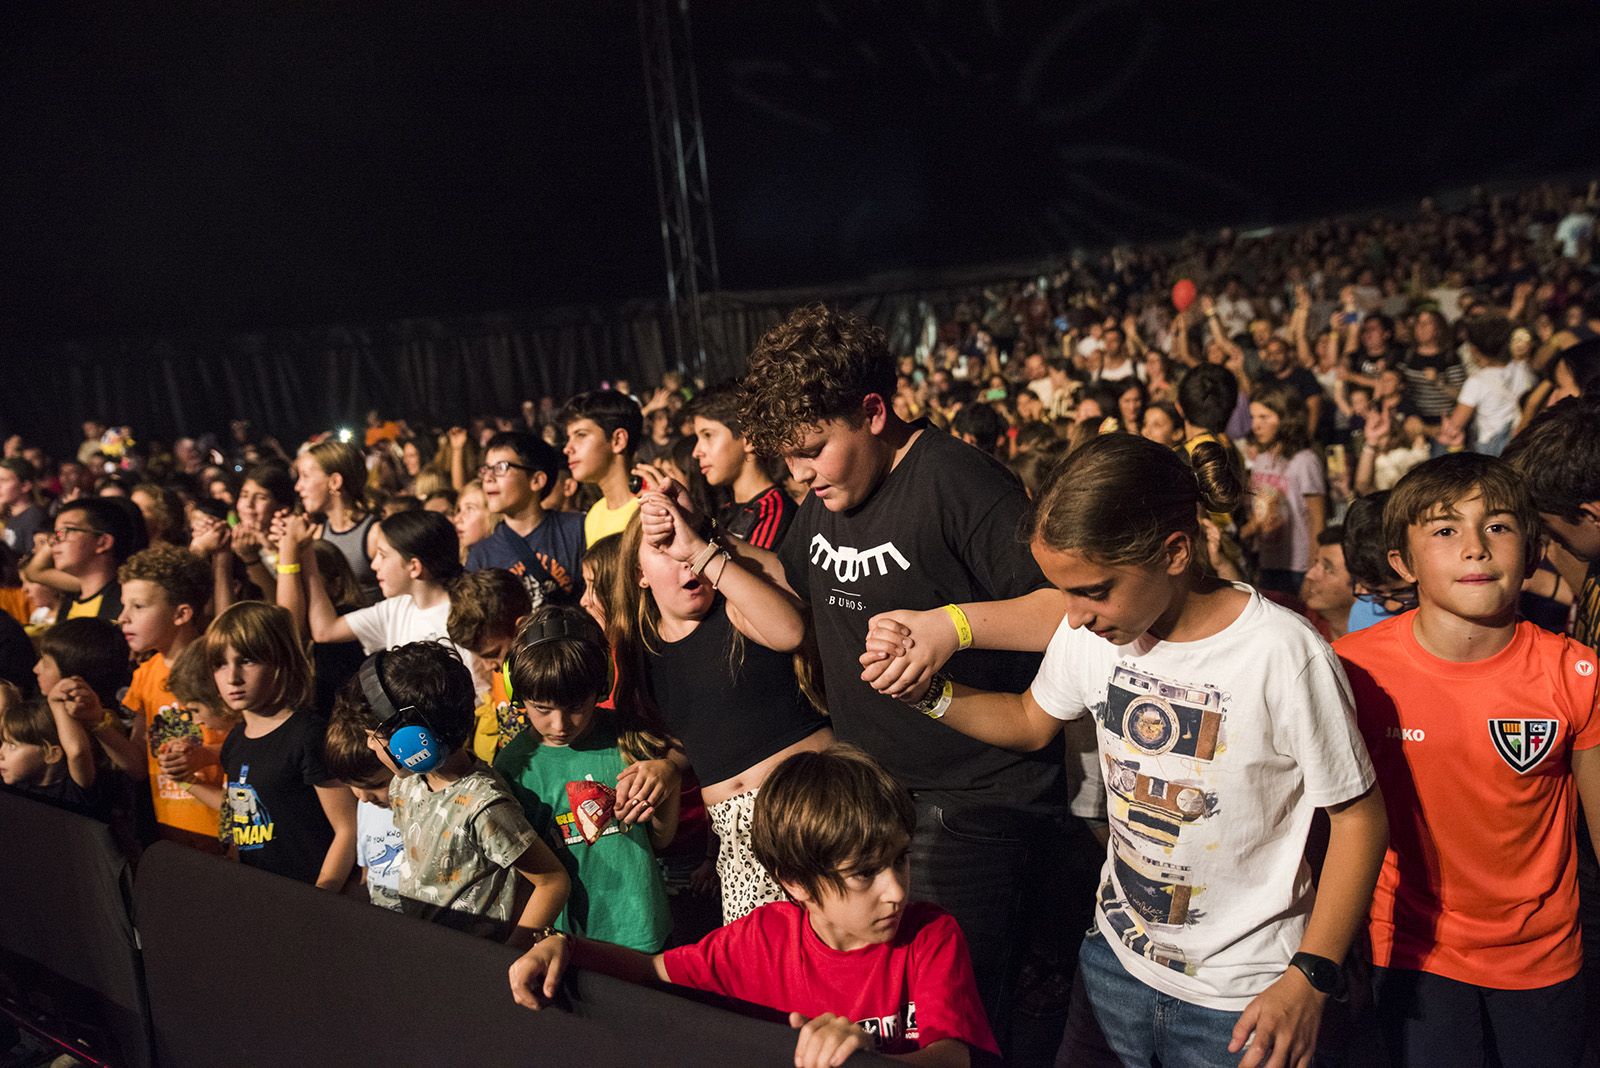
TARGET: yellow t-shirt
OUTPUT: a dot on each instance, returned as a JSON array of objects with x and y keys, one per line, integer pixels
[
  {"x": 602, "y": 522},
  {"x": 165, "y": 721}
]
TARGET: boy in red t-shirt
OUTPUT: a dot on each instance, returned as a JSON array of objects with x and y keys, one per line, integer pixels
[
  {"x": 854, "y": 962},
  {"x": 1485, "y": 735}
]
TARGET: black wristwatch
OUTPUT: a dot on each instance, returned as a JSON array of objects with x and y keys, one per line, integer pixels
[{"x": 1324, "y": 975}]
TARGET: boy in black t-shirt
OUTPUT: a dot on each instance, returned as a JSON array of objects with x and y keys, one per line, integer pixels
[
  {"x": 901, "y": 516},
  {"x": 759, "y": 512},
  {"x": 90, "y": 540}
]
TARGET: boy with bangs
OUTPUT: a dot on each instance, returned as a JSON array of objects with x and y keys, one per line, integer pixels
[
  {"x": 852, "y": 959},
  {"x": 351, "y": 761},
  {"x": 596, "y": 784},
  {"x": 1484, "y": 734},
  {"x": 604, "y": 429},
  {"x": 165, "y": 592},
  {"x": 471, "y": 861}
]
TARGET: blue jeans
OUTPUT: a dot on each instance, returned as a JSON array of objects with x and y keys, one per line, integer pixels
[{"x": 1142, "y": 1026}]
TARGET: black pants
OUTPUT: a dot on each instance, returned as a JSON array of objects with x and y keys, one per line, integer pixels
[
  {"x": 1428, "y": 1020},
  {"x": 978, "y": 865}
]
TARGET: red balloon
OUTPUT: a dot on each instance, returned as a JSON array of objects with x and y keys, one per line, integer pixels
[{"x": 1183, "y": 294}]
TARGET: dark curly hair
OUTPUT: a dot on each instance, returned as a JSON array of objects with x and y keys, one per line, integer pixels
[{"x": 816, "y": 365}]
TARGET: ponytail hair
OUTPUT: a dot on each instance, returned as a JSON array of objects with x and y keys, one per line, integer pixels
[
  {"x": 1119, "y": 497},
  {"x": 428, "y": 537},
  {"x": 345, "y": 460}
]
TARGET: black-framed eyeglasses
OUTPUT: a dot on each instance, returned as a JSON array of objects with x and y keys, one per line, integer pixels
[
  {"x": 60, "y": 533},
  {"x": 500, "y": 468}
]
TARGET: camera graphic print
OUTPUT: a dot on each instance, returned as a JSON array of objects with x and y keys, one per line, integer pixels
[{"x": 1160, "y": 738}]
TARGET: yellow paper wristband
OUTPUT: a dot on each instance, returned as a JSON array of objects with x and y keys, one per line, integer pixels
[
  {"x": 963, "y": 628},
  {"x": 288, "y": 569}
]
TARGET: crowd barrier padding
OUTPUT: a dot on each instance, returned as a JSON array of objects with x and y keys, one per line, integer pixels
[
  {"x": 67, "y": 945},
  {"x": 245, "y": 968}
]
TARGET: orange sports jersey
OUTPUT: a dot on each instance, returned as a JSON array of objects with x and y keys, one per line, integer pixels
[
  {"x": 1480, "y": 881},
  {"x": 166, "y": 721}
]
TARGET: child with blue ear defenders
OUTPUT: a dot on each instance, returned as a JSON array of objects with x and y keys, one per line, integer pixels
[
  {"x": 566, "y": 767},
  {"x": 468, "y": 846}
]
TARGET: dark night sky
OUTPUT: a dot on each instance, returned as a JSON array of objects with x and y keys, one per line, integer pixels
[{"x": 193, "y": 168}]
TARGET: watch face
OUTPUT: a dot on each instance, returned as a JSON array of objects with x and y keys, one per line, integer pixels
[{"x": 1325, "y": 974}]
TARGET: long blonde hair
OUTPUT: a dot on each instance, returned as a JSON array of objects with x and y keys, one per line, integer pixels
[{"x": 633, "y": 624}]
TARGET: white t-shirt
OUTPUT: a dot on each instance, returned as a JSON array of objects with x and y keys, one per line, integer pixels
[
  {"x": 397, "y": 621},
  {"x": 1215, "y": 753},
  {"x": 1492, "y": 393},
  {"x": 378, "y": 849}
]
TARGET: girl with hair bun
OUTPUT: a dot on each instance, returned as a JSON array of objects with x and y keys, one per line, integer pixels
[{"x": 1222, "y": 723}]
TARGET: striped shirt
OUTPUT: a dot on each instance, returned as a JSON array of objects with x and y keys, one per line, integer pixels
[
  {"x": 1432, "y": 398},
  {"x": 763, "y": 520}
]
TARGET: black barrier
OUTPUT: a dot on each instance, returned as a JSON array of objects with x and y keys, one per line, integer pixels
[
  {"x": 246, "y": 968},
  {"x": 67, "y": 946}
]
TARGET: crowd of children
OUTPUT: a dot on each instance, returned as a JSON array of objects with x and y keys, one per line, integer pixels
[{"x": 919, "y": 668}]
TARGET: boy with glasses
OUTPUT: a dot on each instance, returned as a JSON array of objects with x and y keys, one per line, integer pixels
[
  {"x": 543, "y": 549},
  {"x": 90, "y": 540}
]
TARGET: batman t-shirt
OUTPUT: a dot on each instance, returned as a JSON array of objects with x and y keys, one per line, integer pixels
[
  {"x": 273, "y": 812},
  {"x": 943, "y": 527}
]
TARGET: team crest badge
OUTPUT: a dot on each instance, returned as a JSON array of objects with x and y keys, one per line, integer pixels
[{"x": 1522, "y": 743}]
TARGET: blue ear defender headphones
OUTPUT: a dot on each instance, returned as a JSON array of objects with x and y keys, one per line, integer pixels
[
  {"x": 560, "y": 626},
  {"x": 406, "y": 733}
]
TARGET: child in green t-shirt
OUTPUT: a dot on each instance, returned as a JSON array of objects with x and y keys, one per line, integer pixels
[{"x": 600, "y": 788}]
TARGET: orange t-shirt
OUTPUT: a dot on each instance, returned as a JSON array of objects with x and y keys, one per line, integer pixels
[
  {"x": 165, "y": 720},
  {"x": 1475, "y": 760},
  {"x": 14, "y": 602}
]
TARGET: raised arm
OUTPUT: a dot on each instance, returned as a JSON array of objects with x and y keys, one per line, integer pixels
[
  {"x": 75, "y": 744},
  {"x": 304, "y": 594},
  {"x": 41, "y": 568}
]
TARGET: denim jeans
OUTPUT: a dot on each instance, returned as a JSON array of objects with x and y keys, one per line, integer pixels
[{"x": 1142, "y": 1026}]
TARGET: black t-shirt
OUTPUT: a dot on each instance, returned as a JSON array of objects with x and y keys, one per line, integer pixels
[
  {"x": 272, "y": 807},
  {"x": 105, "y": 603},
  {"x": 728, "y": 720},
  {"x": 942, "y": 528},
  {"x": 763, "y": 520},
  {"x": 94, "y": 802},
  {"x": 17, "y": 656},
  {"x": 21, "y": 528}
]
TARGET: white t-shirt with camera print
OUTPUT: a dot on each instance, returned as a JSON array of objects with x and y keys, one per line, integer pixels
[{"x": 1214, "y": 755}]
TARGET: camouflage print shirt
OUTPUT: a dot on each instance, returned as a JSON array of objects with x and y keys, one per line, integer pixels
[{"x": 460, "y": 844}]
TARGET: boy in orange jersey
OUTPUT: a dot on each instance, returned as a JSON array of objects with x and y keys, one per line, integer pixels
[
  {"x": 165, "y": 592},
  {"x": 1485, "y": 735}
]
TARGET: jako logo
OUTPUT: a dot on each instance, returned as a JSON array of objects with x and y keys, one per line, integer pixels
[
  {"x": 850, "y": 564},
  {"x": 1408, "y": 734}
]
